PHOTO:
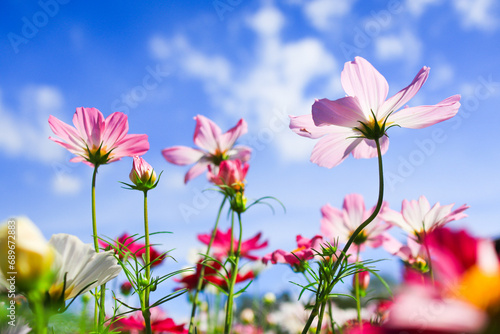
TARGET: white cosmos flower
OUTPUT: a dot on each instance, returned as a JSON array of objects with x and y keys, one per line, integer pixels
[{"x": 83, "y": 267}]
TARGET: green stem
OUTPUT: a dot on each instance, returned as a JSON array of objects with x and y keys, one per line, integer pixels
[
  {"x": 315, "y": 309},
  {"x": 97, "y": 311},
  {"x": 356, "y": 291},
  {"x": 330, "y": 312},
  {"x": 234, "y": 273},
  {"x": 145, "y": 309},
  {"x": 199, "y": 284}
]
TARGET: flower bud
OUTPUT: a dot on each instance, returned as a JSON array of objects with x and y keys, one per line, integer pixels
[
  {"x": 363, "y": 280},
  {"x": 26, "y": 258},
  {"x": 126, "y": 288},
  {"x": 247, "y": 316},
  {"x": 142, "y": 175},
  {"x": 269, "y": 298}
]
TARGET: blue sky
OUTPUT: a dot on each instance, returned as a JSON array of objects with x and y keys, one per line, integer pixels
[{"x": 167, "y": 61}]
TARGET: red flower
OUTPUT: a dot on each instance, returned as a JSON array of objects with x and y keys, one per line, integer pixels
[
  {"x": 222, "y": 244},
  {"x": 159, "y": 323},
  {"x": 126, "y": 244},
  {"x": 303, "y": 252}
]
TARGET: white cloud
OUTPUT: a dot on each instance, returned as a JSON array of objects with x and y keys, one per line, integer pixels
[
  {"x": 479, "y": 14},
  {"x": 26, "y": 131},
  {"x": 322, "y": 13},
  {"x": 442, "y": 75},
  {"x": 404, "y": 46},
  {"x": 274, "y": 84},
  {"x": 64, "y": 184},
  {"x": 417, "y": 8}
]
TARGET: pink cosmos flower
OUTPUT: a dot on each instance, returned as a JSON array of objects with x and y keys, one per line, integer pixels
[
  {"x": 350, "y": 124},
  {"x": 95, "y": 140},
  {"x": 340, "y": 224},
  {"x": 303, "y": 252},
  {"x": 142, "y": 174},
  {"x": 412, "y": 254},
  {"x": 417, "y": 217},
  {"x": 160, "y": 323},
  {"x": 215, "y": 147},
  {"x": 126, "y": 244},
  {"x": 222, "y": 244},
  {"x": 231, "y": 173}
]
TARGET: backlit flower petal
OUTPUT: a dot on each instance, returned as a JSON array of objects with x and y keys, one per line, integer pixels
[
  {"x": 399, "y": 99},
  {"x": 182, "y": 155},
  {"x": 206, "y": 134},
  {"x": 342, "y": 112},
  {"x": 360, "y": 79},
  {"x": 424, "y": 116},
  {"x": 368, "y": 149},
  {"x": 304, "y": 126},
  {"x": 332, "y": 149},
  {"x": 227, "y": 140}
]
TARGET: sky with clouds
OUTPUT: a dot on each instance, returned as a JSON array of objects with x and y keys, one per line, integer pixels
[{"x": 167, "y": 61}]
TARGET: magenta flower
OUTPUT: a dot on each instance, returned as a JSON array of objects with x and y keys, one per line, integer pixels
[
  {"x": 215, "y": 147},
  {"x": 350, "y": 124},
  {"x": 126, "y": 245},
  {"x": 303, "y": 252},
  {"x": 95, "y": 140},
  {"x": 160, "y": 323},
  {"x": 340, "y": 224},
  {"x": 231, "y": 173},
  {"x": 417, "y": 217},
  {"x": 222, "y": 244}
]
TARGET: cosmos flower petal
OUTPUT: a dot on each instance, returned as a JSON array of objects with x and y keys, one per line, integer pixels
[
  {"x": 206, "y": 134},
  {"x": 182, "y": 155},
  {"x": 89, "y": 122},
  {"x": 130, "y": 145},
  {"x": 84, "y": 268},
  {"x": 240, "y": 152},
  {"x": 367, "y": 149},
  {"x": 116, "y": 127},
  {"x": 227, "y": 140},
  {"x": 332, "y": 149},
  {"x": 360, "y": 79},
  {"x": 424, "y": 116},
  {"x": 342, "y": 112},
  {"x": 404, "y": 95},
  {"x": 304, "y": 126},
  {"x": 198, "y": 169}
]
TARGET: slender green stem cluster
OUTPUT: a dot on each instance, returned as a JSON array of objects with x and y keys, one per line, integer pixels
[
  {"x": 324, "y": 290},
  {"x": 234, "y": 258},
  {"x": 145, "y": 308},
  {"x": 199, "y": 283}
]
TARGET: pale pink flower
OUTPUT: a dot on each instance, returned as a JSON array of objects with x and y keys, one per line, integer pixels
[
  {"x": 417, "y": 217},
  {"x": 95, "y": 140},
  {"x": 413, "y": 253},
  {"x": 142, "y": 175},
  {"x": 215, "y": 147},
  {"x": 339, "y": 225},
  {"x": 350, "y": 124}
]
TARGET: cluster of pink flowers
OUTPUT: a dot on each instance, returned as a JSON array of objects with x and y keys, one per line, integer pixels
[{"x": 451, "y": 279}]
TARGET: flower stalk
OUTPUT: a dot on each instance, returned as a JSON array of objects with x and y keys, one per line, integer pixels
[
  {"x": 235, "y": 258},
  {"x": 324, "y": 293},
  {"x": 199, "y": 283}
]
